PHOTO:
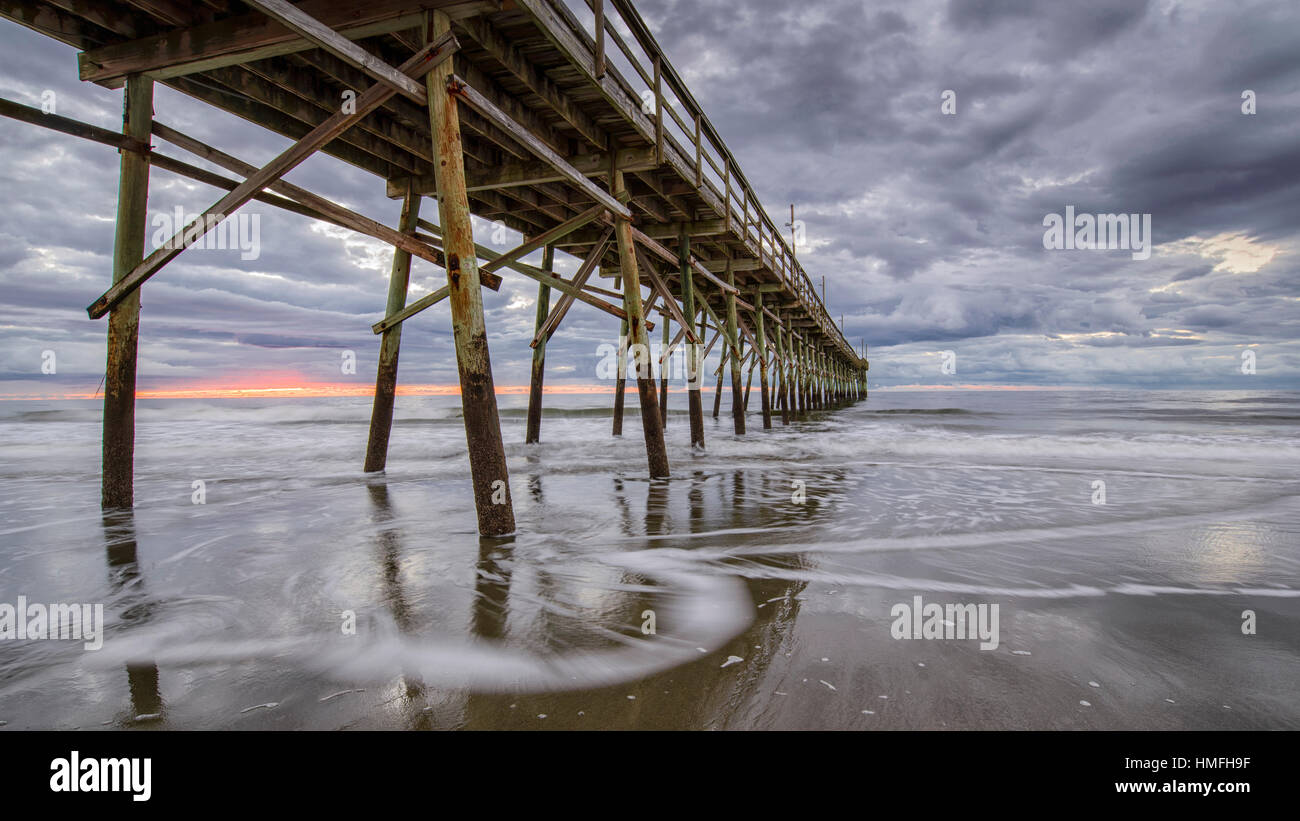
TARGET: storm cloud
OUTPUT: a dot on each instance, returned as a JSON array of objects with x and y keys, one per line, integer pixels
[{"x": 927, "y": 226}]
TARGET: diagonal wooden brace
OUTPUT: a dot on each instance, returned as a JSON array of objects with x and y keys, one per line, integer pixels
[
  {"x": 566, "y": 301},
  {"x": 370, "y": 99}
]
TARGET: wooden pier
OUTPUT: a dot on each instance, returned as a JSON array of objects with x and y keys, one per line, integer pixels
[{"x": 520, "y": 111}]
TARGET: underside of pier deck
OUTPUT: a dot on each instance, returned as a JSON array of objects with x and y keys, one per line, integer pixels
[{"x": 538, "y": 115}]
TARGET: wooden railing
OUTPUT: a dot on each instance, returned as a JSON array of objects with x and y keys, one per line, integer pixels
[{"x": 686, "y": 129}]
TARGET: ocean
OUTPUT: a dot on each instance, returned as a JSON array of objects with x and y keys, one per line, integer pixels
[{"x": 1141, "y": 551}]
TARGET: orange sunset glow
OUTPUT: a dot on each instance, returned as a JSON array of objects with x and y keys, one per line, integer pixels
[
  {"x": 293, "y": 386},
  {"x": 314, "y": 390}
]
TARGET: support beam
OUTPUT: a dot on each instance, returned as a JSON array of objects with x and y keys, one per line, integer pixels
[
  {"x": 381, "y": 413},
  {"x": 487, "y": 455},
  {"x": 783, "y": 393},
  {"x": 249, "y": 37},
  {"x": 620, "y": 385},
  {"x": 534, "y": 431},
  {"x": 717, "y": 392},
  {"x": 509, "y": 260},
  {"x": 297, "y": 20},
  {"x": 434, "y": 54},
  {"x": 579, "y": 280},
  {"x": 75, "y": 128},
  {"x": 693, "y": 359},
  {"x": 733, "y": 339},
  {"x": 118, "y": 475},
  {"x": 521, "y": 173},
  {"x": 544, "y": 238},
  {"x": 663, "y": 375},
  {"x": 326, "y": 209},
  {"x": 762, "y": 361},
  {"x": 660, "y": 287},
  {"x": 536, "y": 80},
  {"x": 461, "y": 90},
  {"x": 656, "y": 452}
]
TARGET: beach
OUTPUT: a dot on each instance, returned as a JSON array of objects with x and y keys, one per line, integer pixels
[{"x": 752, "y": 590}]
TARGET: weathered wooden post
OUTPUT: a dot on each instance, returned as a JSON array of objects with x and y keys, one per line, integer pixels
[
  {"x": 733, "y": 339},
  {"x": 694, "y": 367},
  {"x": 762, "y": 354},
  {"x": 487, "y": 456},
  {"x": 823, "y": 391},
  {"x": 381, "y": 412},
  {"x": 717, "y": 394},
  {"x": 805, "y": 399},
  {"x": 664, "y": 367},
  {"x": 791, "y": 368},
  {"x": 620, "y": 384},
  {"x": 118, "y": 478},
  {"x": 534, "y": 431},
  {"x": 749, "y": 382},
  {"x": 656, "y": 452},
  {"x": 783, "y": 392},
  {"x": 815, "y": 364},
  {"x": 824, "y": 371}
]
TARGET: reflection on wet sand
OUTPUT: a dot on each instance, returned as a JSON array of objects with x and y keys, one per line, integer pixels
[
  {"x": 126, "y": 584},
  {"x": 700, "y": 694}
]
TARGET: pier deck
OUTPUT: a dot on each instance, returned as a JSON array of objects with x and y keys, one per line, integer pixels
[{"x": 569, "y": 125}]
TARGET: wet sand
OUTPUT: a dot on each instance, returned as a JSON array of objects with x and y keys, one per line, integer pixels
[{"x": 769, "y": 613}]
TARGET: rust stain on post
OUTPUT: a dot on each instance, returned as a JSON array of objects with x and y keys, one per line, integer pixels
[
  {"x": 656, "y": 451},
  {"x": 118, "y": 483},
  {"x": 487, "y": 457}
]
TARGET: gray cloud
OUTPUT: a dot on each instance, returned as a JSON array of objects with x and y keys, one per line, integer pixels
[{"x": 927, "y": 227}]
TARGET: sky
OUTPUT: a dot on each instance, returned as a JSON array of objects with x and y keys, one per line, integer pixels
[{"x": 922, "y": 143}]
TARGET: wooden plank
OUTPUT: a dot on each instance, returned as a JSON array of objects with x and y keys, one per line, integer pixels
[
  {"x": 545, "y": 238},
  {"x": 324, "y": 36},
  {"x": 514, "y": 174},
  {"x": 251, "y": 36},
  {"x": 325, "y": 208},
  {"x": 66, "y": 125},
  {"x": 512, "y": 57},
  {"x": 598, "y": 9},
  {"x": 423, "y": 303},
  {"x": 670, "y": 303},
  {"x": 461, "y": 90},
  {"x": 549, "y": 278},
  {"x": 579, "y": 280},
  {"x": 422, "y": 62},
  {"x": 659, "y": 111},
  {"x": 665, "y": 232},
  {"x": 671, "y": 258}
]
